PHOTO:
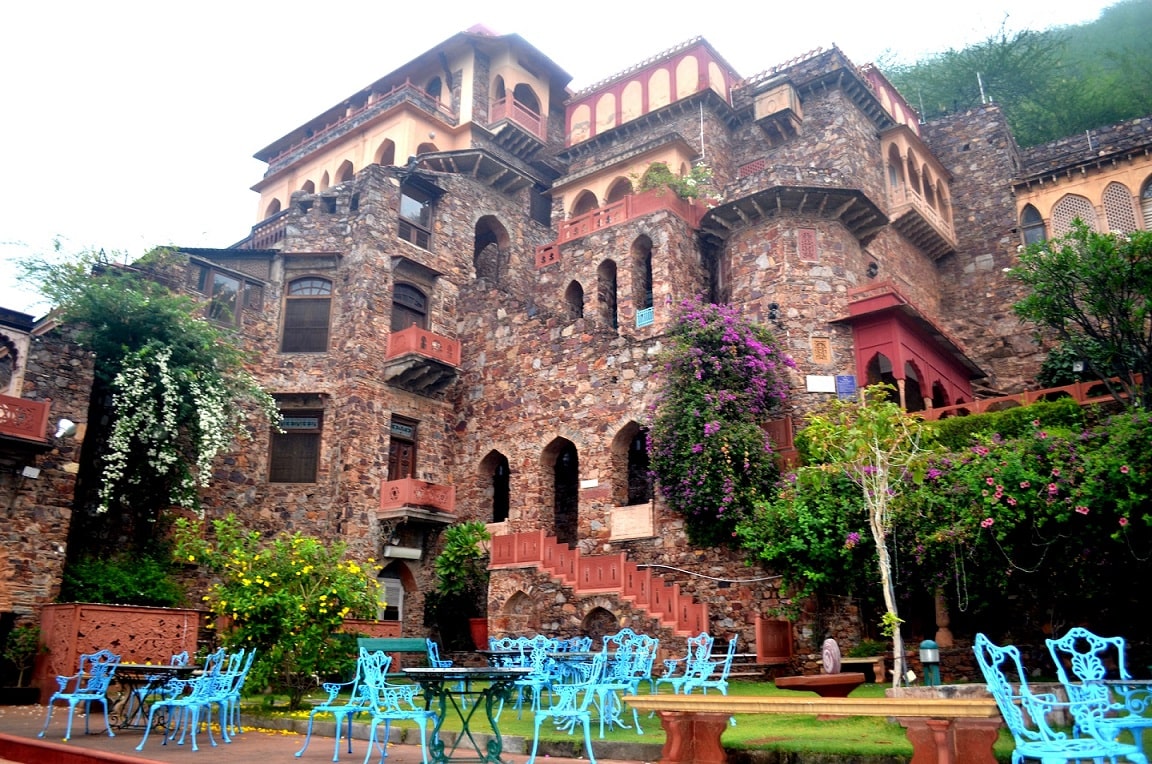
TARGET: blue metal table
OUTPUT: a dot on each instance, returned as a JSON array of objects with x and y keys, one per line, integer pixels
[{"x": 485, "y": 688}]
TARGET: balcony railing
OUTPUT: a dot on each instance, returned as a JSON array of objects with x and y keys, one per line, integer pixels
[
  {"x": 21, "y": 418},
  {"x": 405, "y": 92},
  {"x": 628, "y": 208},
  {"x": 425, "y": 343},
  {"x": 510, "y": 109},
  {"x": 906, "y": 195},
  {"x": 268, "y": 232},
  {"x": 409, "y": 492}
]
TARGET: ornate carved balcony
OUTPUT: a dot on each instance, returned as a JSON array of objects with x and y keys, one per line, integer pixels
[
  {"x": 24, "y": 421},
  {"x": 410, "y": 499},
  {"x": 921, "y": 223},
  {"x": 421, "y": 361}
]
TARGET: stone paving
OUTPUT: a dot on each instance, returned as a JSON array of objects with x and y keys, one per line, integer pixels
[{"x": 266, "y": 747}]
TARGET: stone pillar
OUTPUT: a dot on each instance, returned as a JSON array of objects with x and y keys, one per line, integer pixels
[{"x": 692, "y": 738}]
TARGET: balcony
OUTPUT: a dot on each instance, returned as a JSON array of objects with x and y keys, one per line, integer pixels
[
  {"x": 921, "y": 223},
  {"x": 376, "y": 105},
  {"x": 516, "y": 127},
  {"x": 24, "y": 421},
  {"x": 420, "y": 361},
  {"x": 628, "y": 208},
  {"x": 409, "y": 499}
]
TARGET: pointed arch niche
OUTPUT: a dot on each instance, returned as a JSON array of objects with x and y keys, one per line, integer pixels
[
  {"x": 560, "y": 465},
  {"x": 496, "y": 477},
  {"x": 632, "y": 513},
  {"x": 896, "y": 343}
]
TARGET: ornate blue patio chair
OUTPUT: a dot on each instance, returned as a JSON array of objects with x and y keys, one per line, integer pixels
[
  {"x": 435, "y": 661},
  {"x": 1027, "y": 714},
  {"x": 544, "y": 671},
  {"x": 237, "y": 678},
  {"x": 89, "y": 685},
  {"x": 184, "y": 700},
  {"x": 678, "y": 671},
  {"x": 357, "y": 701},
  {"x": 714, "y": 674},
  {"x": 387, "y": 703},
  {"x": 622, "y": 675},
  {"x": 1088, "y": 655},
  {"x": 570, "y": 704}
]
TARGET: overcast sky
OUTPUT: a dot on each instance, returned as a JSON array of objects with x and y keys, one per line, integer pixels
[{"x": 129, "y": 125}]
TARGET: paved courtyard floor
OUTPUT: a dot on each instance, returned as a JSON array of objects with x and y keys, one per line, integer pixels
[{"x": 262, "y": 747}]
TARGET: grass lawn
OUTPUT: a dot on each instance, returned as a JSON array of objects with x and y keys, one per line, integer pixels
[{"x": 849, "y": 736}]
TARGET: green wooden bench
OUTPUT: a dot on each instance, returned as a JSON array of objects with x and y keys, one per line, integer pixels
[{"x": 397, "y": 647}]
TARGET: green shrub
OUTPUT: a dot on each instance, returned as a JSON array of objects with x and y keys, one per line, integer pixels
[
  {"x": 958, "y": 433},
  {"x": 122, "y": 580}
]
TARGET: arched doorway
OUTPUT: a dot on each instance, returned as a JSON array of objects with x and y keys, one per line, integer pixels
[{"x": 563, "y": 460}]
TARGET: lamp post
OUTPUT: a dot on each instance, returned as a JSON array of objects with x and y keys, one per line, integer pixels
[{"x": 930, "y": 660}]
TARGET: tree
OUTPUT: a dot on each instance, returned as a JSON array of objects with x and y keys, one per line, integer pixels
[
  {"x": 1094, "y": 291},
  {"x": 170, "y": 393},
  {"x": 285, "y": 597},
  {"x": 878, "y": 445},
  {"x": 723, "y": 377}
]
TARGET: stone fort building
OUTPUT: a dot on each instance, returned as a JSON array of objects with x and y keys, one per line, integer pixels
[{"x": 458, "y": 287}]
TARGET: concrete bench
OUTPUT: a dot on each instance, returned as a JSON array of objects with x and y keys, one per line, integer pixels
[
  {"x": 942, "y": 731},
  {"x": 396, "y": 647}
]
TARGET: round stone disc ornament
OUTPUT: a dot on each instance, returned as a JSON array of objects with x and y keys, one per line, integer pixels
[{"x": 831, "y": 657}]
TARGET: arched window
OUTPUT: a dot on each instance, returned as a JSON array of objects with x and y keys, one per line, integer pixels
[
  {"x": 1032, "y": 224},
  {"x": 574, "y": 299},
  {"x": 309, "y": 187},
  {"x": 273, "y": 208},
  {"x": 895, "y": 168},
  {"x": 391, "y": 594},
  {"x": 307, "y": 315},
  {"x": 344, "y": 173},
  {"x": 606, "y": 292},
  {"x": 409, "y": 307},
  {"x": 631, "y": 483},
  {"x": 1146, "y": 204},
  {"x": 642, "y": 273},
  {"x": 1118, "y": 209},
  {"x": 386, "y": 154},
  {"x": 525, "y": 96},
  {"x": 495, "y": 470},
  {"x": 325, "y": 181},
  {"x": 620, "y": 188},
  {"x": 913, "y": 390},
  {"x": 434, "y": 87},
  {"x": 415, "y": 225},
  {"x": 585, "y": 203},
  {"x": 490, "y": 249},
  {"x": 1072, "y": 207},
  {"x": 562, "y": 465}
]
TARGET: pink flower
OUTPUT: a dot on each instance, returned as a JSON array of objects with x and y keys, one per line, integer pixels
[
  {"x": 1055, "y": 472},
  {"x": 1052, "y": 489},
  {"x": 1123, "y": 522},
  {"x": 1025, "y": 484},
  {"x": 990, "y": 481},
  {"x": 1124, "y": 470},
  {"x": 1035, "y": 422},
  {"x": 986, "y": 522},
  {"x": 1011, "y": 501},
  {"x": 1082, "y": 509}
]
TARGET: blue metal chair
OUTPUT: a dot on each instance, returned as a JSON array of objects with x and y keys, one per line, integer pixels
[
  {"x": 622, "y": 675},
  {"x": 184, "y": 701},
  {"x": 90, "y": 685},
  {"x": 544, "y": 672},
  {"x": 714, "y": 673},
  {"x": 678, "y": 671},
  {"x": 1086, "y": 655},
  {"x": 357, "y": 701},
  {"x": 570, "y": 704},
  {"x": 435, "y": 661},
  {"x": 235, "y": 689},
  {"x": 1027, "y": 714},
  {"x": 387, "y": 703}
]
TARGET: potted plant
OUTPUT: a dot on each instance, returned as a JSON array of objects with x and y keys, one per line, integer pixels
[
  {"x": 20, "y": 649},
  {"x": 462, "y": 580}
]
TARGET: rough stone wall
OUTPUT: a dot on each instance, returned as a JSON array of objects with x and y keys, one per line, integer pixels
[
  {"x": 976, "y": 297},
  {"x": 34, "y": 538}
]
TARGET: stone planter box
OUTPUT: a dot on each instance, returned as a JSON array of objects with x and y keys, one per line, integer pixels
[
  {"x": 136, "y": 634},
  {"x": 873, "y": 667}
]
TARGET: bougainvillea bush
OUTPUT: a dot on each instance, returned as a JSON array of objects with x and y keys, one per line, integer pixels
[
  {"x": 286, "y": 597},
  {"x": 723, "y": 378},
  {"x": 1039, "y": 531}
]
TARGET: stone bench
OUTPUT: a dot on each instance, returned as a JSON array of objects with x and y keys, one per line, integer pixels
[{"x": 942, "y": 731}]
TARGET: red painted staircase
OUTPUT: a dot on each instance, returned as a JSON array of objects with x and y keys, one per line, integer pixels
[{"x": 602, "y": 574}]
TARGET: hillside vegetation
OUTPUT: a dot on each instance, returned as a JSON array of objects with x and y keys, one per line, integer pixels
[{"x": 1051, "y": 83}]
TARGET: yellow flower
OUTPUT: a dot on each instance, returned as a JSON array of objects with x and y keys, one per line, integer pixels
[{"x": 191, "y": 558}]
